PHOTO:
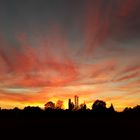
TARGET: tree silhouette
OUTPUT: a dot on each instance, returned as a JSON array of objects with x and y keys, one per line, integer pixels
[
  {"x": 83, "y": 106},
  {"x": 127, "y": 109},
  {"x": 59, "y": 104},
  {"x": 99, "y": 106},
  {"x": 135, "y": 110},
  {"x": 50, "y": 105},
  {"x": 31, "y": 109},
  {"x": 111, "y": 108}
]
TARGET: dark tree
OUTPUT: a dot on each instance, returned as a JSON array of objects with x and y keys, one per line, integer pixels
[
  {"x": 111, "y": 108},
  {"x": 32, "y": 109},
  {"x": 99, "y": 106},
  {"x": 136, "y": 109},
  {"x": 59, "y": 104},
  {"x": 49, "y": 105},
  {"x": 83, "y": 106},
  {"x": 127, "y": 109}
]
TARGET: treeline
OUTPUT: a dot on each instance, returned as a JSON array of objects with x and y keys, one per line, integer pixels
[{"x": 98, "y": 108}]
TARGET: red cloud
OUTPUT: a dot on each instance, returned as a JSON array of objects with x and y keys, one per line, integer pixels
[
  {"x": 97, "y": 24},
  {"x": 42, "y": 66},
  {"x": 128, "y": 7},
  {"x": 131, "y": 69}
]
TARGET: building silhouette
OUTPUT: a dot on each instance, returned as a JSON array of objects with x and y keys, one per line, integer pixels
[
  {"x": 70, "y": 105},
  {"x": 76, "y": 100},
  {"x": 74, "y": 105}
]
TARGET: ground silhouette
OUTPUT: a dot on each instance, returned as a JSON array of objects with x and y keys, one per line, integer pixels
[{"x": 99, "y": 122}]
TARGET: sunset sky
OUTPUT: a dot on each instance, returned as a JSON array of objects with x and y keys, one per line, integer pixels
[{"x": 55, "y": 49}]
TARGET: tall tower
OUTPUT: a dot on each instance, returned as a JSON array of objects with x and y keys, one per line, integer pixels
[
  {"x": 70, "y": 105},
  {"x": 76, "y": 99}
]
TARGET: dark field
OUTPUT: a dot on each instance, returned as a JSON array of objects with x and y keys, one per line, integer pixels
[{"x": 70, "y": 126}]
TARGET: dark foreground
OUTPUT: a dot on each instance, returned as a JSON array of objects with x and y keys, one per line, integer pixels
[{"x": 70, "y": 126}]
